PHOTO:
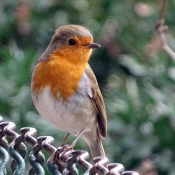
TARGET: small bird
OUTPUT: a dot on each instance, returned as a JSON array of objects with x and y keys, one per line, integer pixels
[{"x": 65, "y": 90}]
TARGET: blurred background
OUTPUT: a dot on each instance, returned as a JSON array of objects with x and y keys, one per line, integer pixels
[{"x": 136, "y": 78}]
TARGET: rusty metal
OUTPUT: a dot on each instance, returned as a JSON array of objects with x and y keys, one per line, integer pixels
[{"x": 62, "y": 160}]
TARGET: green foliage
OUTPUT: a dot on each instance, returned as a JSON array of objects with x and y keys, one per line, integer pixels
[{"x": 135, "y": 76}]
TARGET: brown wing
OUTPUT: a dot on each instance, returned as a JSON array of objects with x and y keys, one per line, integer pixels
[{"x": 98, "y": 102}]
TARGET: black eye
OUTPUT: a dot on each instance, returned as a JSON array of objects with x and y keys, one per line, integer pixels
[{"x": 71, "y": 42}]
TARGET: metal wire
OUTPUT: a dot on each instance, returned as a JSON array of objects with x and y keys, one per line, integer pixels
[{"x": 62, "y": 160}]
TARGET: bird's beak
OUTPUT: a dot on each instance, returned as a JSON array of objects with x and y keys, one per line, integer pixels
[{"x": 94, "y": 45}]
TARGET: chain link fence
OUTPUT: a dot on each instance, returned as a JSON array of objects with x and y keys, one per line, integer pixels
[{"x": 62, "y": 160}]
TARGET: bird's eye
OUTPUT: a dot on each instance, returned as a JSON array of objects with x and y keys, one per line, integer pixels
[{"x": 71, "y": 42}]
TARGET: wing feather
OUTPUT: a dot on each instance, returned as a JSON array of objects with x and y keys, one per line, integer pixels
[{"x": 98, "y": 102}]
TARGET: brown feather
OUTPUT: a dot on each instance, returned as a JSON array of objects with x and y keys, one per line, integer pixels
[{"x": 98, "y": 102}]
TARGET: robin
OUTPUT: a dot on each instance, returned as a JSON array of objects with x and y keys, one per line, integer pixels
[{"x": 65, "y": 90}]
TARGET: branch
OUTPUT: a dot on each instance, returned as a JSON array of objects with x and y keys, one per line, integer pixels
[
  {"x": 161, "y": 28},
  {"x": 162, "y": 12}
]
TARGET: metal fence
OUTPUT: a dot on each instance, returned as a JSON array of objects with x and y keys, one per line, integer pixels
[{"x": 62, "y": 160}]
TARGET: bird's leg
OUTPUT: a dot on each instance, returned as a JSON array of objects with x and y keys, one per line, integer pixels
[
  {"x": 76, "y": 139},
  {"x": 65, "y": 140}
]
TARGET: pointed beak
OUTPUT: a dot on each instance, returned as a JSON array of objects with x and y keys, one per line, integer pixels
[{"x": 94, "y": 45}]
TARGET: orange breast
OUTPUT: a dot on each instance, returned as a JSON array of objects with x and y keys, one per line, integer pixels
[{"x": 62, "y": 75}]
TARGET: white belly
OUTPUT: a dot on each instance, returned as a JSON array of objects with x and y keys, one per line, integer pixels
[{"x": 71, "y": 116}]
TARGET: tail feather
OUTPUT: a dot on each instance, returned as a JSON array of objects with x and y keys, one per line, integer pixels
[{"x": 95, "y": 145}]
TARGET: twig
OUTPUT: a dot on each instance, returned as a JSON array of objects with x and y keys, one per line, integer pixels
[
  {"x": 162, "y": 12},
  {"x": 161, "y": 28}
]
